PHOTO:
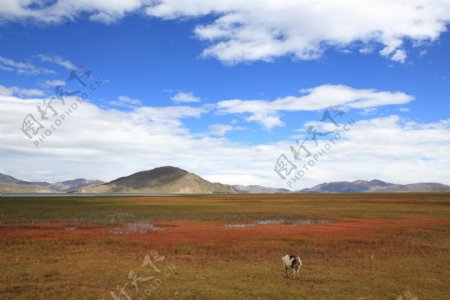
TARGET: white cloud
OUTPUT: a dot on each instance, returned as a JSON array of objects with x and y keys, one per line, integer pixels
[
  {"x": 268, "y": 120},
  {"x": 366, "y": 50},
  {"x": 115, "y": 143},
  {"x": 57, "y": 60},
  {"x": 265, "y": 29},
  {"x": 169, "y": 117},
  {"x": 385, "y": 148},
  {"x": 368, "y": 111},
  {"x": 124, "y": 101},
  {"x": 267, "y": 112},
  {"x": 423, "y": 52},
  {"x": 219, "y": 129},
  {"x": 11, "y": 65},
  {"x": 56, "y": 11},
  {"x": 21, "y": 92},
  {"x": 222, "y": 129},
  {"x": 185, "y": 97},
  {"x": 53, "y": 83},
  {"x": 399, "y": 56}
]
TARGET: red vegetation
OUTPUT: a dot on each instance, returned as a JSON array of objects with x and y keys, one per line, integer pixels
[{"x": 177, "y": 232}]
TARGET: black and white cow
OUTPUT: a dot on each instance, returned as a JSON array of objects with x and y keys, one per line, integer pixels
[{"x": 293, "y": 262}]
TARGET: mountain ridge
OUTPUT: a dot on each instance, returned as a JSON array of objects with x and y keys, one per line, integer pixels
[
  {"x": 375, "y": 186},
  {"x": 167, "y": 179},
  {"x": 10, "y": 184}
]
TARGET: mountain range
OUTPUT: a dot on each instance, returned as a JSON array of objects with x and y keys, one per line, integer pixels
[
  {"x": 9, "y": 184},
  {"x": 375, "y": 186},
  {"x": 173, "y": 180}
]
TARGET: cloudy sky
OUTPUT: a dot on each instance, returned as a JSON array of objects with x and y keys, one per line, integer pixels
[{"x": 230, "y": 90}]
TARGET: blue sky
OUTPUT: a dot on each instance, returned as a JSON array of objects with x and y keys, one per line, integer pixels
[{"x": 150, "y": 54}]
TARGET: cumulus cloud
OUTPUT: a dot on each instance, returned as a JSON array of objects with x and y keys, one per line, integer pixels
[
  {"x": 185, "y": 97},
  {"x": 11, "y": 65},
  {"x": 169, "y": 118},
  {"x": 114, "y": 143},
  {"x": 265, "y": 29},
  {"x": 117, "y": 143},
  {"x": 399, "y": 56},
  {"x": 266, "y": 112},
  {"x": 390, "y": 149},
  {"x": 56, "y": 11},
  {"x": 21, "y": 92}
]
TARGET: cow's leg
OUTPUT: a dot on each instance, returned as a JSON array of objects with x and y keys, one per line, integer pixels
[{"x": 285, "y": 271}]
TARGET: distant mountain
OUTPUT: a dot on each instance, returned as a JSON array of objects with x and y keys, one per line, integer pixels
[
  {"x": 9, "y": 179},
  {"x": 172, "y": 180},
  {"x": 14, "y": 188},
  {"x": 9, "y": 184},
  {"x": 375, "y": 186},
  {"x": 258, "y": 189},
  {"x": 163, "y": 180},
  {"x": 74, "y": 185}
]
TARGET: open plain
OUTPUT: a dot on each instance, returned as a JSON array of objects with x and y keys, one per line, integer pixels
[{"x": 353, "y": 246}]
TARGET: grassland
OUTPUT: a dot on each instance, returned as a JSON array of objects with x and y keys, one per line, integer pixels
[{"x": 353, "y": 246}]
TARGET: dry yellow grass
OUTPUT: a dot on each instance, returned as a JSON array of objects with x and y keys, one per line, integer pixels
[{"x": 375, "y": 247}]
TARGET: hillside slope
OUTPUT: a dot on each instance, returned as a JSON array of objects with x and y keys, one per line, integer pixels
[
  {"x": 375, "y": 186},
  {"x": 163, "y": 180}
]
